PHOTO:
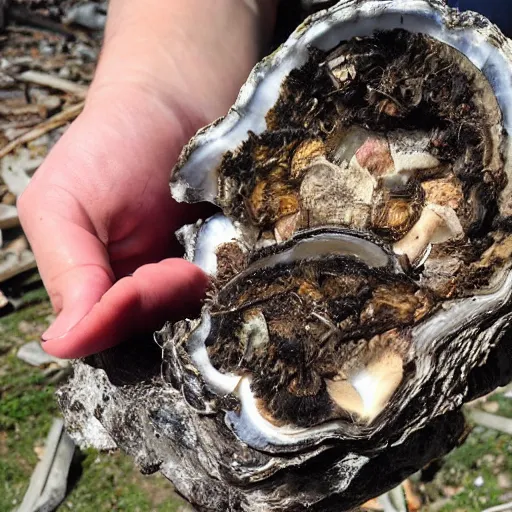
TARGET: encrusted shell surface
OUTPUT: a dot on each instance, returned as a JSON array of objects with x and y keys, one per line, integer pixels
[
  {"x": 362, "y": 163},
  {"x": 360, "y": 266}
]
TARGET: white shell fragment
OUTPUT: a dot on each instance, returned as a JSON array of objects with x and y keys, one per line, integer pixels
[
  {"x": 216, "y": 381},
  {"x": 216, "y": 231}
]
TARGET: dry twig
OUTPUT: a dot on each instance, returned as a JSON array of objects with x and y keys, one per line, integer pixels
[
  {"x": 500, "y": 508},
  {"x": 493, "y": 421},
  {"x": 55, "y": 82},
  {"x": 49, "y": 124}
]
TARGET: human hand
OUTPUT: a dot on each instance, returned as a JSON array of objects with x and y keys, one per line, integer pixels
[{"x": 98, "y": 212}]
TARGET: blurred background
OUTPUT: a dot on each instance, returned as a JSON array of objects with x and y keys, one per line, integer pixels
[{"x": 48, "y": 52}]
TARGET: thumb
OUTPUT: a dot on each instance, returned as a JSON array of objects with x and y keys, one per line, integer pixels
[{"x": 94, "y": 313}]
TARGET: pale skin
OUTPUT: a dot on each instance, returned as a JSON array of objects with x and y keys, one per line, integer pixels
[{"x": 98, "y": 212}]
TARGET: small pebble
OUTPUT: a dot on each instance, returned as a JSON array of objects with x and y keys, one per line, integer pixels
[
  {"x": 504, "y": 481},
  {"x": 491, "y": 407},
  {"x": 479, "y": 481}
]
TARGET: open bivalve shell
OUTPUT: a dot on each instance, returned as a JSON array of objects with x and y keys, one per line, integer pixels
[
  {"x": 363, "y": 178},
  {"x": 360, "y": 265}
]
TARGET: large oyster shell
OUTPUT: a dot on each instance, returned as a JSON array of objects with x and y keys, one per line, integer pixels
[{"x": 361, "y": 282}]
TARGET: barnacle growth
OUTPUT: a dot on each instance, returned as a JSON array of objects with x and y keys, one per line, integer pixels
[{"x": 360, "y": 263}]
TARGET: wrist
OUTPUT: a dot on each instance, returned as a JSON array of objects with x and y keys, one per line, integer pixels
[
  {"x": 129, "y": 121},
  {"x": 191, "y": 56}
]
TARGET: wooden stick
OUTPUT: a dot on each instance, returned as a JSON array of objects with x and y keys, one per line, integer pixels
[
  {"x": 46, "y": 126},
  {"x": 499, "y": 508},
  {"x": 55, "y": 82},
  {"x": 26, "y": 17},
  {"x": 493, "y": 421},
  {"x": 40, "y": 474},
  {"x": 48, "y": 483}
]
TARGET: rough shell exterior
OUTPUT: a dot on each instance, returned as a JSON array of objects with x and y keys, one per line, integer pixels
[{"x": 179, "y": 415}]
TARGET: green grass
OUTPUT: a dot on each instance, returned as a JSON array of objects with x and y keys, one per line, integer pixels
[
  {"x": 27, "y": 405},
  {"x": 485, "y": 454},
  {"x": 505, "y": 405},
  {"x": 108, "y": 482},
  {"x": 13, "y": 327}
]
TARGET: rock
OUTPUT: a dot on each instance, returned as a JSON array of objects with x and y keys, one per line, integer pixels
[
  {"x": 504, "y": 481},
  {"x": 492, "y": 407},
  {"x": 33, "y": 354},
  {"x": 479, "y": 481}
]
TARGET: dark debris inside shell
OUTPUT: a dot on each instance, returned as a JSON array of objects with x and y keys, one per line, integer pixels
[
  {"x": 395, "y": 134},
  {"x": 398, "y": 136},
  {"x": 302, "y": 332}
]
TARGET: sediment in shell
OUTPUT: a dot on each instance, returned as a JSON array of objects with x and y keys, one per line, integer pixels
[{"x": 360, "y": 267}]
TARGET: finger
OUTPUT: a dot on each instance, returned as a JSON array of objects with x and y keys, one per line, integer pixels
[
  {"x": 141, "y": 302},
  {"x": 159, "y": 241},
  {"x": 73, "y": 263}
]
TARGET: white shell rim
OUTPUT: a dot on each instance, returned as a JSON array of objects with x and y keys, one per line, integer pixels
[
  {"x": 252, "y": 428},
  {"x": 347, "y": 19}
]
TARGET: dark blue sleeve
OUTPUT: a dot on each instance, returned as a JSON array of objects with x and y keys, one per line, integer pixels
[{"x": 498, "y": 11}]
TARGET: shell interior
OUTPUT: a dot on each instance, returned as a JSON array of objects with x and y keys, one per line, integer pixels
[{"x": 363, "y": 176}]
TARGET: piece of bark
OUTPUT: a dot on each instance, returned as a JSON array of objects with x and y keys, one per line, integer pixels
[
  {"x": 12, "y": 264},
  {"x": 8, "y": 216},
  {"x": 32, "y": 353},
  {"x": 22, "y": 110},
  {"x": 48, "y": 483},
  {"x": 15, "y": 170},
  {"x": 25, "y": 16},
  {"x": 412, "y": 499}
]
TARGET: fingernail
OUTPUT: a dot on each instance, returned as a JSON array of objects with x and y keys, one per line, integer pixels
[{"x": 66, "y": 320}]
